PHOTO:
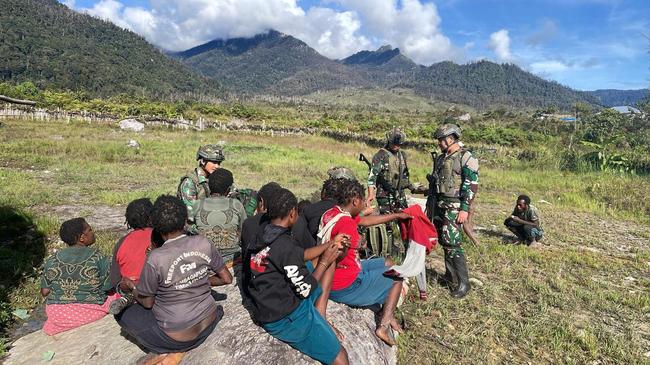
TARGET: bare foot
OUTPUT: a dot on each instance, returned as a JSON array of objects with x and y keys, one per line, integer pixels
[
  {"x": 535, "y": 245},
  {"x": 174, "y": 358},
  {"x": 396, "y": 326},
  {"x": 384, "y": 334}
]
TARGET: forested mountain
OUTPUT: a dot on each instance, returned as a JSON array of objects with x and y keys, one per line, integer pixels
[
  {"x": 45, "y": 42},
  {"x": 279, "y": 64},
  {"x": 271, "y": 63},
  {"x": 612, "y": 97}
]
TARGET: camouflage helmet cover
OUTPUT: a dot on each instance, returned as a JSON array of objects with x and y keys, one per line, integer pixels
[
  {"x": 210, "y": 152},
  {"x": 395, "y": 136},
  {"x": 447, "y": 130},
  {"x": 339, "y": 172}
]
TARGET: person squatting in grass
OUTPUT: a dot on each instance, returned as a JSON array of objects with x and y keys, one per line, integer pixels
[
  {"x": 131, "y": 251},
  {"x": 361, "y": 283},
  {"x": 175, "y": 311},
  {"x": 524, "y": 222},
  {"x": 283, "y": 288},
  {"x": 75, "y": 280}
]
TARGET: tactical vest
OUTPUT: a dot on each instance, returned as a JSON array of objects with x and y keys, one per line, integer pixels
[
  {"x": 396, "y": 174},
  {"x": 202, "y": 189},
  {"x": 447, "y": 172}
]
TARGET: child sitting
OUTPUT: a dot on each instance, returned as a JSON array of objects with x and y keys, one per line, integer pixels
[
  {"x": 75, "y": 280},
  {"x": 131, "y": 251},
  {"x": 283, "y": 289}
]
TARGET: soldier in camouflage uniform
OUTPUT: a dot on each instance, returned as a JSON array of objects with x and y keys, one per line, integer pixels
[
  {"x": 389, "y": 175},
  {"x": 453, "y": 184},
  {"x": 194, "y": 185},
  {"x": 220, "y": 217}
]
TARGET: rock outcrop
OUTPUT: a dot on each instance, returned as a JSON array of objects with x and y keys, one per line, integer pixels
[{"x": 236, "y": 340}]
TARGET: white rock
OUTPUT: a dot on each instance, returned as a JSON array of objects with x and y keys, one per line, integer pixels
[
  {"x": 133, "y": 144},
  {"x": 476, "y": 282},
  {"x": 465, "y": 117},
  {"x": 131, "y": 125}
]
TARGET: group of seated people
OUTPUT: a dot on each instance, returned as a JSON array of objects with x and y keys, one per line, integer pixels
[{"x": 159, "y": 283}]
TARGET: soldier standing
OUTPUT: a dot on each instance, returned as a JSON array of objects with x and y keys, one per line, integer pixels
[
  {"x": 194, "y": 185},
  {"x": 389, "y": 175},
  {"x": 453, "y": 184}
]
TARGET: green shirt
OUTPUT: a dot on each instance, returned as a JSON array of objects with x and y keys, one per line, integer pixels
[
  {"x": 76, "y": 274},
  {"x": 531, "y": 215}
]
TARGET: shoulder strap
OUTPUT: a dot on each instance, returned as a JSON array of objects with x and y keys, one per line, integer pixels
[{"x": 325, "y": 231}]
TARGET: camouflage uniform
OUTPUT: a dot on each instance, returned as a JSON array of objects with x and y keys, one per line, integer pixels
[
  {"x": 220, "y": 219},
  {"x": 393, "y": 170},
  {"x": 453, "y": 185},
  {"x": 192, "y": 188},
  {"x": 247, "y": 197}
]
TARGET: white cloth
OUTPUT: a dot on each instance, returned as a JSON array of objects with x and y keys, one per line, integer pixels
[{"x": 414, "y": 264}]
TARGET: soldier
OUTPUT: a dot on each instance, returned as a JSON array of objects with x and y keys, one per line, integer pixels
[
  {"x": 194, "y": 185},
  {"x": 389, "y": 174},
  {"x": 452, "y": 186}
]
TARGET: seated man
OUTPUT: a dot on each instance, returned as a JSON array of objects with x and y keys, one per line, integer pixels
[
  {"x": 524, "y": 222},
  {"x": 175, "y": 311},
  {"x": 283, "y": 289},
  {"x": 131, "y": 251},
  {"x": 75, "y": 280},
  {"x": 220, "y": 218}
]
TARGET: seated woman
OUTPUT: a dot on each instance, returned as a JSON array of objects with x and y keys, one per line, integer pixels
[
  {"x": 220, "y": 218},
  {"x": 75, "y": 280},
  {"x": 175, "y": 311},
  {"x": 361, "y": 283},
  {"x": 283, "y": 289},
  {"x": 131, "y": 251}
]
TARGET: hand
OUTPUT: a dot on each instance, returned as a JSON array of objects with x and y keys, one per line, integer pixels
[
  {"x": 127, "y": 284},
  {"x": 402, "y": 215},
  {"x": 371, "y": 195},
  {"x": 330, "y": 255},
  {"x": 462, "y": 217},
  {"x": 368, "y": 211},
  {"x": 341, "y": 240}
]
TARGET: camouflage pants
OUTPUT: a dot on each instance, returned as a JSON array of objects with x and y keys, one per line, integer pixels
[
  {"x": 386, "y": 204},
  {"x": 449, "y": 232}
]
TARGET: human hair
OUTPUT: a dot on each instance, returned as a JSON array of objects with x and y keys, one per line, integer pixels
[
  {"x": 220, "y": 181},
  {"x": 302, "y": 205},
  {"x": 348, "y": 190},
  {"x": 71, "y": 230},
  {"x": 169, "y": 214},
  {"x": 138, "y": 213},
  {"x": 330, "y": 188},
  {"x": 525, "y": 198},
  {"x": 281, "y": 203},
  {"x": 267, "y": 190}
]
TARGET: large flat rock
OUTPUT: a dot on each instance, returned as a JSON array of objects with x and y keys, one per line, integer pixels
[{"x": 235, "y": 340}]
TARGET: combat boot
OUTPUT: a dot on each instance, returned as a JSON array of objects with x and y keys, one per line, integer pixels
[
  {"x": 460, "y": 265},
  {"x": 449, "y": 278}
]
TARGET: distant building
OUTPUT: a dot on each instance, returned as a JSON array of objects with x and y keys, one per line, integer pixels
[{"x": 626, "y": 110}]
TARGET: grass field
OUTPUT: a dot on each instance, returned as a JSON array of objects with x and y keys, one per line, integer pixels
[{"x": 583, "y": 298}]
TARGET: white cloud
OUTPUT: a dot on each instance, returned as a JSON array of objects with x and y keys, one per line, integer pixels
[
  {"x": 414, "y": 27},
  {"x": 175, "y": 25},
  {"x": 548, "y": 67},
  {"x": 500, "y": 45}
]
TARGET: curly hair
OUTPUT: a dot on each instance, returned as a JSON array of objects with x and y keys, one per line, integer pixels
[
  {"x": 220, "y": 181},
  {"x": 138, "y": 213},
  {"x": 525, "y": 198},
  {"x": 71, "y": 230},
  {"x": 267, "y": 190},
  {"x": 330, "y": 188},
  {"x": 169, "y": 214},
  {"x": 348, "y": 190},
  {"x": 281, "y": 203}
]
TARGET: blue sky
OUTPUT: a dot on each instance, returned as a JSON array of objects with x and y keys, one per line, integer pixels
[{"x": 585, "y": 44}]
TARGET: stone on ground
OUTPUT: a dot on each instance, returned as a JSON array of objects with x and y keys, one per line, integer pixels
[{"x": 131, "y": 125}]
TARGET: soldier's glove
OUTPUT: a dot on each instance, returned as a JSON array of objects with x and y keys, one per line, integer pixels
[{"x": 418, "y": 188}]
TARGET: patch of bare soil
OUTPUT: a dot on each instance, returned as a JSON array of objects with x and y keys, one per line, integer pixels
[{"x": 100, "y": 217}]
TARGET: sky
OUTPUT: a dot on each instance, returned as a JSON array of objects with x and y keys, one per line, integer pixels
[{"x": 584, "y": 44}]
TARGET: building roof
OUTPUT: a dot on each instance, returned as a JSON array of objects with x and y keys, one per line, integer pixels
[{"x": 625, "y": 109}]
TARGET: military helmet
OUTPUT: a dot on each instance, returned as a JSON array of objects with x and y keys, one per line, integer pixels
[
  {"x": 395, "y": 136},
  {"x": 340, "y": 172},
  {"x": 447, "y": 130},
  {"x": 210, "y": 152}
]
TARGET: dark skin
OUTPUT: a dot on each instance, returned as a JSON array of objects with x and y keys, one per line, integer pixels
[
  {"x": 86, "y": 239},
  {"x": 522, "y": 207},
  {"x": 223, "y": 277},
  {"x": 355, "y": 206},
  {"x": 324, "y": 267}
]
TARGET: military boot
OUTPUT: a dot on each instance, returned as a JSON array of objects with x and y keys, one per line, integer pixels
[
  {"x": 460, "y": 265},
  {"x": 449, "y": 278}
]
